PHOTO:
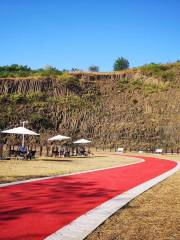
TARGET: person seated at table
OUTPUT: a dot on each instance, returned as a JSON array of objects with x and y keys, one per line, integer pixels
[
  {"x": 61, "y": 152},
  {"x": 30, "y": 154},
  {"x": 77, "y": 153},
  {"x": 67, "y": 153},
  {"x": 22, "y": 151},
  {"x": 82, "y": 152}
]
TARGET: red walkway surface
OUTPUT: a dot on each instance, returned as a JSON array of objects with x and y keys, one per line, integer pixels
[{"x": 35, "y": 210}]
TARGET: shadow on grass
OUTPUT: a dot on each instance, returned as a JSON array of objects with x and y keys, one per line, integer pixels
[{"x": 57, "y": 160}]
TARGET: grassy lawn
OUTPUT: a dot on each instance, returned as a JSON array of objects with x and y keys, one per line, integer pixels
[
  {"x": 13, "y": 170},
  {"x": 154, "y": 215}
]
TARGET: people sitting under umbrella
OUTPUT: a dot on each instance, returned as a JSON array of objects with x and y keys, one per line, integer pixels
[{"x": 82, "y": 142}]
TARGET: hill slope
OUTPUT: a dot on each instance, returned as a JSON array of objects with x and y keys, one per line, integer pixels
[{"x": 137, "y": 108}]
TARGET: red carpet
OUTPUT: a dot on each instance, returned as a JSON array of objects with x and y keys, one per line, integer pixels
[{"x": 37, "y": 209}]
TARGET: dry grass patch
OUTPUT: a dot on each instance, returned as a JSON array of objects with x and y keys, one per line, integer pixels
[{"x": 13, "y": 170}]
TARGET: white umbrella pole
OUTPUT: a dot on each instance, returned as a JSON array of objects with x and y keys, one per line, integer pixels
[
  {"x": 23, "y": 140},
  {"x": 23, "y": 135}
]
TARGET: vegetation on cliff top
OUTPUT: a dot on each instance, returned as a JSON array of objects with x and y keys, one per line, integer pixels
[
  {"x": 165, "y": 71},
  {"x": 16, "y": 70}
]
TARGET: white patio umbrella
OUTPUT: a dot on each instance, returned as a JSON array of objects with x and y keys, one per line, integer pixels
[
  {"x": 82, "y": 141},
  {"x": 58, "y": 138},
  {"x": 22, "y": 131}
]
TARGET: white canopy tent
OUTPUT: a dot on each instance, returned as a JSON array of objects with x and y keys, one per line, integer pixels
[
  {"x": 21, "y": 131},
  {"x": 58, "y": 138},
  {"x": 82, "y": 141}
]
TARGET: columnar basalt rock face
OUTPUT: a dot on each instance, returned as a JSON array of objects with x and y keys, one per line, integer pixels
[
  {"x": 8, "y": 86},
  {"x": 98, "y": 110}
]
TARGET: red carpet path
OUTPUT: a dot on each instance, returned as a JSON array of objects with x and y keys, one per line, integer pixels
[{"x": 37, "y": 209}]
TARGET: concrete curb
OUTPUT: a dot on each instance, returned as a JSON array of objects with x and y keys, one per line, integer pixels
[{"x": 87, "y": 223}]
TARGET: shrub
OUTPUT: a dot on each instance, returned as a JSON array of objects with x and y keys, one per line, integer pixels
[
  {"x": 2, "y": 124},
  {"x": 18, "y": 98},
  {"x": 47, "y": 71},
  {"x": 69, "y": 101},
  {"x": 38, "y": 121},
  {"x": 70, "y": 82},
  {"x": 167, "y": 76},
  {"x": 136, "y": 85},
  {"x": 150, "y": 88},
  {"x": 36, "y": 97},
  {"x": 123, "y": 83},
  {"x": 4, "y": 99},
  {"x": 153, "y": 69}
]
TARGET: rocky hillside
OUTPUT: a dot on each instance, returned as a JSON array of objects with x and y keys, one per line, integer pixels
[{"x": 138, "y": 108}]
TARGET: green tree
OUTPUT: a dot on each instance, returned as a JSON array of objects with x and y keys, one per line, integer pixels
[
  {"x": 15, "y": 70},
  {"x": 93, "y": 68},
  {"x": 121, "y": 64}
]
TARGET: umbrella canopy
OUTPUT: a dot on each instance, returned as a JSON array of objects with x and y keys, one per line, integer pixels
[
  {"x": 20, "y": 130},
  {"x": 58, "y": 138},
  {"x": 82, "y": 141}
]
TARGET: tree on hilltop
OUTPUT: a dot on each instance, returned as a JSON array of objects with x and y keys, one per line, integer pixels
[
  {"x": 121, "y": 64},
  {"x": 93, "y": 68}
]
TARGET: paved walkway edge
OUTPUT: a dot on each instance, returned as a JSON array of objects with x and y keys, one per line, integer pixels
[{"x": 87, "y": 223}]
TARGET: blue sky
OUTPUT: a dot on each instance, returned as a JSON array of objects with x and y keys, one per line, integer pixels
[{"x": 81, "y": 33}]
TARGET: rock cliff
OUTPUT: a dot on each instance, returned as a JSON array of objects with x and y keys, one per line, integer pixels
[{"x": 136, "y": 108}]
